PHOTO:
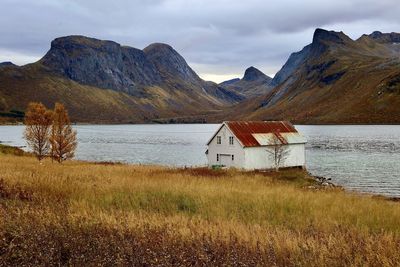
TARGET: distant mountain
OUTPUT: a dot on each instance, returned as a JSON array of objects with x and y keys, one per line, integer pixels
[
  {"x": 252, "y": 74},
  {"x": 253, "y": 83},
  {"x": 7, "y": 64},
  {"x": 334, "y": 80},
  {"x": 228, "y": 82},
  {"x": 385, "y": 38},
  {"x": 102, "y": 81}
]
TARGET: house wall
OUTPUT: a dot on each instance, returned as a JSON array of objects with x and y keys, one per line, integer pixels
[
  {"x": 226, "y": 149},
  {"x": 259, "y": 158}
]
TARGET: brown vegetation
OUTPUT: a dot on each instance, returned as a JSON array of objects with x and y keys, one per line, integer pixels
[
  {"x": 38, "y": 122},
  {"x": 93, "y": 214},
  {"x": 16, "y": 151},
  {"x": 49, "y": 133},
  {"x": 63, "y": 137}
]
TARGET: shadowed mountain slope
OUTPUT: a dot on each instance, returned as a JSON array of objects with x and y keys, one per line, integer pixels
[
  {"x": 102, "y": 81},
  {"x": 334, "y": 80}
]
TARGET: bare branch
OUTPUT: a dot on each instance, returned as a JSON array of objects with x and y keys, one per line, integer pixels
[{"x": 278, "y": 151}]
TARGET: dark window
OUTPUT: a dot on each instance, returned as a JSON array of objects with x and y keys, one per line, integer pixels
[
  {"x": 233, "y": 157},
  {"x": 231, "y": 140},
  {"x": 218, "y": 140},
  {"x": 217, "y": 157}
]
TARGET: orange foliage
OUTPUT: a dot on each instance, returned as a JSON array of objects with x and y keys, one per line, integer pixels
[
  {"x": 38, "y": 124},
  {"x": 63, "y": 137}
]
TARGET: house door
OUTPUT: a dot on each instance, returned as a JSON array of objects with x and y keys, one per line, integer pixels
[{"x": 226, "y": 160}]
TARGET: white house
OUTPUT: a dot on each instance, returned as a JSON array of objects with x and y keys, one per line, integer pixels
[{"x": 248, "y": 145}]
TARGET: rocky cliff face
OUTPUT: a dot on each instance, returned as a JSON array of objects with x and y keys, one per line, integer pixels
[
  {"x": 169, "y": 63},
  {"x": 295, "y": 60},
  {"x": 108, "y": 65},
  {"x": 323, "y": 40},
  {"x": 103, "y": 64}
]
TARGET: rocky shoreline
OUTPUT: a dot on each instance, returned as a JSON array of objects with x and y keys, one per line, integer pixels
[
  {"x": 326, "y": 183},
  {"x": 323, "y": 183}
]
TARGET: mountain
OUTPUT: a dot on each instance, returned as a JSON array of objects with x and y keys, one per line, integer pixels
[
  {"x": 334, "y": 80},
  {"x": 102, "y": 81},
  {"x": 228, "y": 82},
  {"x": 103, "y": 64},
  {"x": 385, "y": 37},
  {"x": 7, "y": 64},
  {"x": 253, "y": 83}
]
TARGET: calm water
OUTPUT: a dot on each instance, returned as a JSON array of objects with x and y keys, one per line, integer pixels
[{"x": 361, "y": 158}]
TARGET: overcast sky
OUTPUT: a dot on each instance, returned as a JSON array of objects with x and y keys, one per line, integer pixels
[{"x": 218, "y": 38}]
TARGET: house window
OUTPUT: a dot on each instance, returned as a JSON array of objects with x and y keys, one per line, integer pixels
[
  {"x": 217, "y": 157},
  {"x": 233, "y": 157},
  {"x": 231, "y": 140},
  {"x": 218, "y": 140}
]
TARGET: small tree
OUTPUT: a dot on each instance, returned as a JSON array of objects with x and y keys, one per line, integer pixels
[
  {"x": 37, "y": 129},
  {"x": 278, "y": 151},
  {"x": 63, "y": 137}
]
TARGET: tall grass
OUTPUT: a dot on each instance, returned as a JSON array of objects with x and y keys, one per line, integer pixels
[
  {"x": 82, "y": 213},
  {"x": 5, "y": 149}
]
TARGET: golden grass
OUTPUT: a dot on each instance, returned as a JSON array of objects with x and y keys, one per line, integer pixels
[
  {"x": 82, "y": 213},
  {"x": 11, "y": 150}
]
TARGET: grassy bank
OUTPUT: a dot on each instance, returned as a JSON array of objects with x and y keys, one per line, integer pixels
[
  {"x": 104, "y": 214},
  {"x": 11, "y": 150}
]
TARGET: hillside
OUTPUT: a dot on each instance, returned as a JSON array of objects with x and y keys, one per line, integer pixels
[
  {"x": 254, "y": 83},
  {"x": 102, "y": 81},
  {"x": 334, "y": 80}
]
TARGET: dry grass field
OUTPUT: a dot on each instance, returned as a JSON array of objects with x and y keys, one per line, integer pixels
[{"x": 90, "y": 214}]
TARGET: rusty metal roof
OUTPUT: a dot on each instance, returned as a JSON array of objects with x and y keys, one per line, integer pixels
[{"x": 247, "y": 131}]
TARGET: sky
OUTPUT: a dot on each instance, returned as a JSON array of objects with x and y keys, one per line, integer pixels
[{"x": 218, "y": 38}]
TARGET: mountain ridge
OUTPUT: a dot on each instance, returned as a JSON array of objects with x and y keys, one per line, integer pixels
[
  {"x": 155, "y": 82},
  {"x": 7, "y": 64},
  {"x": 334, "y": 79},
  {"x": 253, "y": 83}
]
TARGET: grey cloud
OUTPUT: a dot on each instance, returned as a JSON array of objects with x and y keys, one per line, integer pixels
[{"x": 215, "y": 36}]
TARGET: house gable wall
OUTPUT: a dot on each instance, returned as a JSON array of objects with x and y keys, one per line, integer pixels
[{"x": 225, "y": 150}]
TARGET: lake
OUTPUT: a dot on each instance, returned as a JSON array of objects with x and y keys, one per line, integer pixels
[{"x": 360, "y": 158}]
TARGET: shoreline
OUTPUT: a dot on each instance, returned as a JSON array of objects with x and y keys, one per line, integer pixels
[{"x": 321, "y": 183}]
